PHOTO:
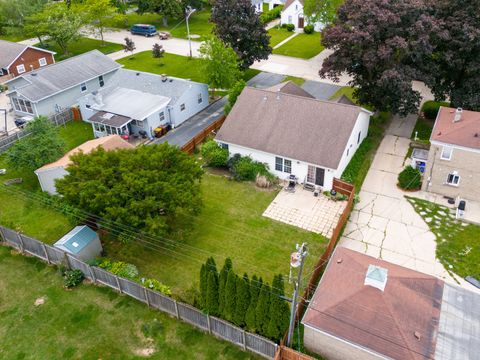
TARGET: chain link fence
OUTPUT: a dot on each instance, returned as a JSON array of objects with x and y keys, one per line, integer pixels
[{"x": 187, "y": 313}]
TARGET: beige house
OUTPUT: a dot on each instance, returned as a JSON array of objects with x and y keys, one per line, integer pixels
[{"x": 453, "y": 166}]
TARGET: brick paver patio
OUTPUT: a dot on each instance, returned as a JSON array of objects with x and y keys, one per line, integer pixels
[{"x": 302, "y": 209}]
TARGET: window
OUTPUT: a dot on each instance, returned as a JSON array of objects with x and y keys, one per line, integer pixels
[
  {"x": 182, "y": 107},
  {"x": 162, "y": 116},
  {"x": 289, "y": 19},
  {"x": 100, "y": 81},
  {"x": 22, "y": 105},
  {"x": 453, "y": 179},
  {"x": 278, "y": 164},
  {"x": 358, "y": 139},
  {"x": 200, "y": 99},
  {"x": 284, "y": 165},
  {"x": 446, "y": 153},
  {"x": 21, "y": 69},
  {"x": 224, "y": 146},
  {"x": 42, "y": 62},
  {"x": 83, "y": 87}
]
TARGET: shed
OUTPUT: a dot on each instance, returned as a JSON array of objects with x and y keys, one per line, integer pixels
[
  {"x": 419, "y": 159},
  {"x": 82, "y": 242}
]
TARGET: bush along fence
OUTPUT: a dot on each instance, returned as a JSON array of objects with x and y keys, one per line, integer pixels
[
  {"x": 187, "y": 313},
  {"x": 58, "y": 119}
]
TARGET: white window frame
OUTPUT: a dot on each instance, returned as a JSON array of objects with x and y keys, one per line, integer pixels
[
  {"x": 446, "y": 148},
  {"x": 21, "y": 68},
  {"x": 455, "y": 179},
  {"x": 101, "y": 81},
  {"x": 82, "y": 86},
  {"x": 42, "y": 62},
  {"x": 161, "y": 116},
  {"x": 21, "y": 105},
  {"x": 284, "y": 165}
]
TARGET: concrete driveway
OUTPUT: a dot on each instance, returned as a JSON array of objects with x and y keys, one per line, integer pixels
[
  {"x": 383, "y": 224},
  {"x": 320, "y": 90}
]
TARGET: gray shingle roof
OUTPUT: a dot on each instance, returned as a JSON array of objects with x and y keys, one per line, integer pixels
[
  {"x": 9, "y": 51},
  {"x": 49, "y": 80},
  {"x": 295, "y": 127},
  {"x": 288, "y": 87},
  {"x": 172, "y": 88}
]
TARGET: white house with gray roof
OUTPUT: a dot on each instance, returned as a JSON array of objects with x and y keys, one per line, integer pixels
[
  {"x": 293, "y": 133},
  {"x": 53, "y": 88},
  {"x": 135, "y": 102}
]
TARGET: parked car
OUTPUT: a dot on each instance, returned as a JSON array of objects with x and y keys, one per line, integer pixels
[
  {"x": 143, "y": 29},
  {"x": 164, "y": 35}
]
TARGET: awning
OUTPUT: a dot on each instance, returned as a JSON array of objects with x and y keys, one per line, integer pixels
[{"x": 113, "y": 120}]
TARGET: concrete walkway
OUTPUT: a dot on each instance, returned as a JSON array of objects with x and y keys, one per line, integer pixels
[
  {"x": 383, "y": 224},
  {"x": 286, "y": 40}
]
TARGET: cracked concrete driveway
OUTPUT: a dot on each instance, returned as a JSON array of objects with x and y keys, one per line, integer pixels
[{"x": 383, "y": 224}]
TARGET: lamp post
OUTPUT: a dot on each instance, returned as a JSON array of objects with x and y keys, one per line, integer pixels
[{"x": 190, "y": 11}]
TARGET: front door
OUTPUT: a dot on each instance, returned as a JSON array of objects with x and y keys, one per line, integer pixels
[
  {"x": 300, "y": 22},
  {"x": 315, "y": 175}
]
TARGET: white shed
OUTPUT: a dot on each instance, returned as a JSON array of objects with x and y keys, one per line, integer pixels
[{"x": 82, "y": 242}]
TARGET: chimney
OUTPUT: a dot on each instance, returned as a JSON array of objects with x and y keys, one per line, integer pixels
[
  {"x": 458, "y": 115},
  {"x": 376, "y": 277}
]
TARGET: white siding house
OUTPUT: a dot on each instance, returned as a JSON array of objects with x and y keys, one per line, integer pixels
[
  {"x": 134, "y": 101},
  {"x": 292, "y": 13},
  {"x": 292, "y": 133},
  {"x": 274, "y": 3},
  {"x": 53, "y": 88}
]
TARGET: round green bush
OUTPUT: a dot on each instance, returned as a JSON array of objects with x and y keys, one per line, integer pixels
[
  {"x": 410, "y": 179},
  {"x": 430, "y": 108},
  {"x": 214, "y": 155},
  {"x": 72, "y": 278},
  {"x": 290, "y": 27},
  {"x": 308, "y": 29}
]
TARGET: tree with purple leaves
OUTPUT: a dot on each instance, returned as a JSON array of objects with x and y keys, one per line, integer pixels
[
  {"x": 238, "y": 25},
  {"x": 382, "y": 45}
]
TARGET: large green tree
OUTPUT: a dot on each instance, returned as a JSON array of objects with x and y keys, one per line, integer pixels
[
  {"x": 14, "y": 12},
  {"x": 98, "y": 13},
  {"x": 279, "y": 310},
  {"x": 165, "y": 8},
  {"x": 41, "y": 147},
  {"x": 220, "y": 64},
  {"x": 262, "y": 313},
  {"x": 203, "y": 286},
  {"x": 323, "y": 11},
  {"x": 238, "y": 25},
  {"x": 60, "y": 23},
  {"x": 211, "y": 304},
  {"x": 144, "y": 188}
]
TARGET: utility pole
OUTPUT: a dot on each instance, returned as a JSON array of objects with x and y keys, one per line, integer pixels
[
  {"x": 190, "y": 11},
  {"x": 297, "y": 260}
]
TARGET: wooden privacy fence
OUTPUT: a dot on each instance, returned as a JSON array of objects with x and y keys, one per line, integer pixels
[
  {"x": 198, "y": 139},
  {"x": 58, "y": 119},
  {"x": 348, "y": 190},
  {"x": 285, "y": 353},
  {"x": 187, "y": 313}
]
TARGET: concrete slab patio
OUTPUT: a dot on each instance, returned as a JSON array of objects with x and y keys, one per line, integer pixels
[
  {"x": 302, "y": 209},
  {"x": 383, "y": 224}
]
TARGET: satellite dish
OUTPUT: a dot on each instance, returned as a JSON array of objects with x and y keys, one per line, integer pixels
[{"x": 295, "y": 260}]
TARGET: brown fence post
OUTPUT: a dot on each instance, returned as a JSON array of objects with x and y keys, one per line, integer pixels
[{"x": 46, "y": 253}]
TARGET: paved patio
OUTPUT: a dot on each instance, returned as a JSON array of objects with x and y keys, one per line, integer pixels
[{"x": 316, "y": 214}]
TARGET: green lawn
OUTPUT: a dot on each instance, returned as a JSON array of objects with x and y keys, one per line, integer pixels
[
  {"x": 230, "y": 224},
  {"x": 27, "y": 215},
  {"x": 81, "y": 46},
  {"x": 458, "y": 243},
  {"x": 89, "y": 322},
  {"x": 348, "y": 92},
  {"x": 303, "y": 46},
  {"x": 423, "y": 129},
  {"x": 173, "y": 65},
  {"x": 277, "y": 35},
  {"x": 296, "y": 80},
  {"x": 199, "y": 24}
]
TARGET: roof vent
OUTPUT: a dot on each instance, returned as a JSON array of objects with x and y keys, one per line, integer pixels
[
  {"x": 458, "y": 115},
  {"x": 376, "y": 277},
  {"x": 417, "y": 335},
  {"x": 476, "y": 135},
  {"x": 339, "y": 261},
  {"x": 138, "y": 74}
]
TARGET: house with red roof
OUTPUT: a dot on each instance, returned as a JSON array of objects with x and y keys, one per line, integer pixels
[
  {"x": 453, "y": 165},
  {"x": 366, "y": 308}
]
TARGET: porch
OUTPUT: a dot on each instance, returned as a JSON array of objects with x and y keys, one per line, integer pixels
[{"x": 300, "y": 208}]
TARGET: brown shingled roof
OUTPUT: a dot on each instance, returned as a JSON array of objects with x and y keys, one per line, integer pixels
[
  {"x": 108, "y": 143},
  {"x": 288, "y": 87},
  {"x": 385, "y": 322},
  {"x": 296, "y": 127},
  {"x": 465, "y": 132}
]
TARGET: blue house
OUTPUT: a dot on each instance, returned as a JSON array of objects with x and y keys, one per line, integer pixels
[{"x": 82, "y": 242}]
